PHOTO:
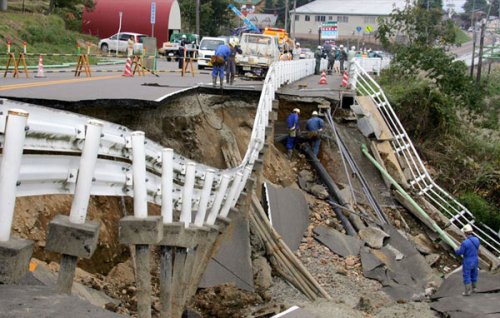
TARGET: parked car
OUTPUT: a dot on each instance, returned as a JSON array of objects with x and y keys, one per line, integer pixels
[
  {"x": 119, "y": 42},
  {"x": 208, "y": 45},
  {"x": 306, "y": 53}
]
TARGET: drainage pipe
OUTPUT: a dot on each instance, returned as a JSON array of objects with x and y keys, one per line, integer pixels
[
  {"x": 333, "y": 190},
  {"x": 436, "y": 227}
]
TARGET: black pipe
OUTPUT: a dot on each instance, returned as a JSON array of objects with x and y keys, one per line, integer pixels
[{"x": 332, "y": 188}]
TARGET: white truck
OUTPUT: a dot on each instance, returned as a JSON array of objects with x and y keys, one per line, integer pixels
[
  {"x": 259, "y": 51},
  {"x": 208, "y": 45}
]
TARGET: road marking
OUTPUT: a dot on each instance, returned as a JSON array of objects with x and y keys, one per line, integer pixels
[{"x": 69, "y": 81}]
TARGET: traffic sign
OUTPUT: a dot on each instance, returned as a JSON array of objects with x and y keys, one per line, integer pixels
[
  {"x": 153, "y": 12},
  {"x": 369, "y": 29},
  {"x": 358, "y": 29},
  {"x": 329, "y": 30}
]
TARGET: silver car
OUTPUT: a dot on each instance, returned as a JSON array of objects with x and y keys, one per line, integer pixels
[{"x": 119, "y": 42}]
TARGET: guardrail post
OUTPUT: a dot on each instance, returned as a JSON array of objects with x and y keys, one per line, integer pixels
[
  {"x": 73, "y": 236},
  {"x": 15, "y": 253},
  {"x": 141, "y": 230}
]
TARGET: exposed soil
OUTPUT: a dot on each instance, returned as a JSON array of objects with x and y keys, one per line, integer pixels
[{"x": 198, "y": 126}]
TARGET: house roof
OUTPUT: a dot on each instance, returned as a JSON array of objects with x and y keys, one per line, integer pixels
[{"x": 351, "y": 7}]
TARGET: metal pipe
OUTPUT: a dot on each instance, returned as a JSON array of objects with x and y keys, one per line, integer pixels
[
  {"x": 333, "y": 190},
  {"x": 88, "y": 161},
  {"x": 9, "y": 170},
  {"x": 187, "y": 193},
  {"x": 436, "y": 227},
  {"x": 205, "y": 195},
  {"x": 139, "y": 175},
  {"x": 167, "y": 185}
]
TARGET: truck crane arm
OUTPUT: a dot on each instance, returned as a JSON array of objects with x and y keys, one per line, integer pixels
[{"x": 250, "y": 25}]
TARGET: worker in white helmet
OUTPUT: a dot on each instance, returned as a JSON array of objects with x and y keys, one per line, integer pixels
[
  {"x": 469, "y": 250},
  {"x": 314, "y": 127},
  {"x": 231, "y": 62},
  {"x": 293, "y": 129}
]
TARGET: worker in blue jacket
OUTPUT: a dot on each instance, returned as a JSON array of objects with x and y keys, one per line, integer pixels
[
  {"x": 314, "y": 127},
  {"x": 469, "y": 250},
  {"x": 218, "y": 60},
  {"x": 293, "y": 129}
]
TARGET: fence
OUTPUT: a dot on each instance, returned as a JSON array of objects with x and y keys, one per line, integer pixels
[{"x": 420, "y": 179}]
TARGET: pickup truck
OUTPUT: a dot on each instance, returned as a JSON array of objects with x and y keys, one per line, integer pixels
[
  {"x": 171, "y": 49},
  {"x": 259, "y": 51}
]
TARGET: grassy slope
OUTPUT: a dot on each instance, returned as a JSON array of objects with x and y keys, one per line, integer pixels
[
  {"x": 461, "y": 36},
  {"x": 43, "y": 34}
]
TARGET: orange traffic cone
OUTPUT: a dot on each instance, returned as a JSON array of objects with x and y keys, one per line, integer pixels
[
  {"x": 40, "y": 73},
  {"x": 322, "y": 81},
  {"x": 345, "y": 80},
  {"x": 128, "y": 69}
]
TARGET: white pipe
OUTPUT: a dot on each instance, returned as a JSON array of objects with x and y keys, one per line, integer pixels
[
  {"x": 88, "y": 160},
  {"x": 218, "y": 199},
  {"x": 205, "y": 195},
  {"x": 139, "y": 175},
  {"x": 167, "y": 185},
  {"x": 232, "y": 193},
  {"x": 9, "y": 170},
  {"x": 187, "y": 193}
]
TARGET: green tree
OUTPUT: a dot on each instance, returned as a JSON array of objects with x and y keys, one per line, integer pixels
[
  {"x": 431, "y": 4},
  {"x": 482, "y": 5},
  {"x": 69, "y": 4},
  {"x": 269, "y": 6},
  {"x": 215, "y": 18}
]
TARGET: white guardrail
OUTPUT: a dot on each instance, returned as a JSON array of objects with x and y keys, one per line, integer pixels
[
  {"x": 420, "y": 180},
  {"x": 75, "y": 154}
]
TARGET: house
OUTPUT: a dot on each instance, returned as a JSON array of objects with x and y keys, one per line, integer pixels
[{"x": 355, "y": 18}]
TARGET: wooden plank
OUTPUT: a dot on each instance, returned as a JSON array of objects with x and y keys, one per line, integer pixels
[{"x": 366, "y": 103}]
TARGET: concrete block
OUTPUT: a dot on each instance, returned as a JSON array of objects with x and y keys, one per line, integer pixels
[
  {"x": 175, "y": 234},
  {"x": 368, "y": 127},
  {"x": 147, "y": 231},
  {"x": 15, "y": 255},
  {"x": 72, "y": 239}
]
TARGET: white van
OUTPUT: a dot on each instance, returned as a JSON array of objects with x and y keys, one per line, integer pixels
[{"x": 207, "y": 48}]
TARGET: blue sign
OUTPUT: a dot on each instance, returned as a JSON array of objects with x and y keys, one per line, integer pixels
[
  {"x": 153, "y": 12},
  {"x": 358, "y": 29},
  {"x": 329, "y": 30}
]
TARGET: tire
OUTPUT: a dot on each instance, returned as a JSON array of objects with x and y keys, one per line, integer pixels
[
  {"x": 201, "y": 67},
  {"x": 104, "y": 48}
]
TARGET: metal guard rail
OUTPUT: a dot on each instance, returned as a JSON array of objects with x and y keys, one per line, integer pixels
[
  {"x": 420, "y": 180},
  {"x": 165, "y": 178}
]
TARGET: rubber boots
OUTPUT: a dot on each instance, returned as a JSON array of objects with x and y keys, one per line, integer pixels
[
  {"x": 221, "y": 82},
  {"x": 474, "y": 287},
  {"x": 231, "y": 82},
  {"x": 227, "y": 79},
  {"x": 290, "y": 154},
  {"x": 214, "y": 81},
  {"x": 468, "y": 290}
]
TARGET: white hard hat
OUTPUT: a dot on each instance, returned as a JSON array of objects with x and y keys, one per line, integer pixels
[
  {"x": 353, "y": 48},
  {"x": 319, "y": 46},
  {"x": 467, "y": 228},
  {"x": 341, "y": 46},
  {"x": 315, "y": 113},
  {"x": 183, "y": 36},
  {"x": 298, "y": 44},
  {"x": 296, "y": 110}
]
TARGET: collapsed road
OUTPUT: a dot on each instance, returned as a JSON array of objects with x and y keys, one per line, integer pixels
[{"x": 252, "y": 266}]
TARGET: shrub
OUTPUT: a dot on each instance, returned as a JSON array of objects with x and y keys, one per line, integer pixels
[{"x": 482, "y": 210}]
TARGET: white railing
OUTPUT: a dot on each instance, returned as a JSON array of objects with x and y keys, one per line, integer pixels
[
  {"x": 128, "y": 165},
  {"x": 373, "y": 64},
  {"x": 420, "y": 179}
]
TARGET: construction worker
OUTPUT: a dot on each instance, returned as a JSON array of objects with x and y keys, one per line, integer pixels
[
  {"x": 182, "y": 47},
  {"x": 293, "y": 129},
  {"x": 218, "y": 60},
  {"x": 130, "y": 46},
  {"x": 342, "y": 57},
  {"x": 297, "y": 51},
  {"x": 350, "y": 57},
  {"x": 231, "y": 62},
  {"x": 331, "y": 60},
  {"x": 469, "y": 249},
  {"x": 318, "y": 55},
  {"x": 314, "y": 127}
]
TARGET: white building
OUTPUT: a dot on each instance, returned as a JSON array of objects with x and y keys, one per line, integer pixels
[{"x": 355, "y": 18}]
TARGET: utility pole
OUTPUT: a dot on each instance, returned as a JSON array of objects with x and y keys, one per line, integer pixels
[
  {"x": 286, "y": 15},
  {"x": 198, "y": 17},
  {"x": 472, "y": 22},
  {"x": 294, "y": 17},
  {"x": 481, "y": 44},
  {"x": 3, "y": 5}
]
